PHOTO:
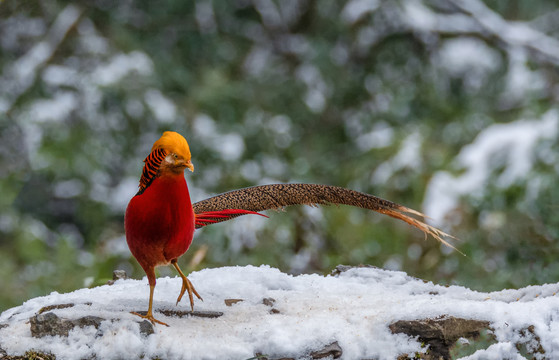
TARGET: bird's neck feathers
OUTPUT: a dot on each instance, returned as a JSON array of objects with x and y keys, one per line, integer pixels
[
  {"x": 156, "y": 165},
  {"x": 152, "y": 164}
]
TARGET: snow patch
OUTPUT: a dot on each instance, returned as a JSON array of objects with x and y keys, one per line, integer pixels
[
  {"x": 357, "y": 9},
  {"x": 353, "y": 308},
  {"x": 120, "y": 66},
  {"x": 164, "y": 109},
  {"x": 506, "y": 151}
]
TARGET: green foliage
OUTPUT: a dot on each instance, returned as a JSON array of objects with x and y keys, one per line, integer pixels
[{"x": 271, "y": 92}]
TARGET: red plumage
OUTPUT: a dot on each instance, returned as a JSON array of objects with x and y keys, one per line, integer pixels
[
  {"x": 159, "y": 223},
  {"x": 212, "y": 217}
]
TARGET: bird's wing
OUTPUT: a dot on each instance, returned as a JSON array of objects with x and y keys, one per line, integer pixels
[{"x": 250, "y": 200}]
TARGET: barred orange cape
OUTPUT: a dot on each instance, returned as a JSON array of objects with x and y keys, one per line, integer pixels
[{"x": 151, "y": 167}]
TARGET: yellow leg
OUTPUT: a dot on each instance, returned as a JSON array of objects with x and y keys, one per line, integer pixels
[
  {"x": 186, "y": 286},
  {"x": 149, "y": 315}
]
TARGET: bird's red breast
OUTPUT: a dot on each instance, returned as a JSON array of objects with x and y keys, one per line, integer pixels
[{"x": 159, "y": 222}]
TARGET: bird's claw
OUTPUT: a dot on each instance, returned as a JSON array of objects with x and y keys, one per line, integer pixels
[
  {"x": 187, "y": 286},
  {"x": 149, "y": 316}
]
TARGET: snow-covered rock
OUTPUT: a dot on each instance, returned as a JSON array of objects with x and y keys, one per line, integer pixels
[{"x": 355, "y": 313}]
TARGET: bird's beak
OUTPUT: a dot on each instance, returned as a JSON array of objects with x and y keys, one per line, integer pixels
[{"x": 189, "y": 165}]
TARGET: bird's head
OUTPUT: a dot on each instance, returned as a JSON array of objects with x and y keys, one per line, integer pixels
[{"x": 178, "y": 153}]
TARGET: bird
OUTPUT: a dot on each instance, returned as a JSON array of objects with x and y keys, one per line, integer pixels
[{"x": 160, "y": 219}]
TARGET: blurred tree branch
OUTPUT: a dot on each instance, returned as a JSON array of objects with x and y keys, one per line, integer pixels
[
  {"x": 511, "y": 33},
  {"x": 18, "y": 78}
]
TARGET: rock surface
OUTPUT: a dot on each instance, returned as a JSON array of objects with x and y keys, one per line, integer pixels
[
  {"x": 440, "y": 334},
  {"x": 49, "y": 324}
]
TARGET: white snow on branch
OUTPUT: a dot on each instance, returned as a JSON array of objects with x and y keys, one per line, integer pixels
[
  {"x": 164, "y": 109},
  {"x": 19, "y": 76},
  {"x": 408, "y": 157},
  {"x": 355, "y": 10},
  {"x": 513, "y": 33},
  {"x": 506, "y": 151},
  {"x": 474, "y": 17},
  {"x": 122, "y": 65}
]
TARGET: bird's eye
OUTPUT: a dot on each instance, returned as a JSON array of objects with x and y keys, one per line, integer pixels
[{"x": 175, "y": 156}]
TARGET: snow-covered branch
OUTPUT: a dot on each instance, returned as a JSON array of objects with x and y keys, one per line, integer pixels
[
  {"x": 512, "y": 33},
  {"x": 19, "y": 77}
]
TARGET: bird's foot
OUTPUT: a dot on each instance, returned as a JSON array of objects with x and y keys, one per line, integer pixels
[
  {"x": 149, "y": 316},
  {"x": 187, "y": 286}
]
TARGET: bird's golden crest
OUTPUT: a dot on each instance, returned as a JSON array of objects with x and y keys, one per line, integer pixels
[
  {"x": 169, "y": 143},
  {"x": 173, "y": 142}
]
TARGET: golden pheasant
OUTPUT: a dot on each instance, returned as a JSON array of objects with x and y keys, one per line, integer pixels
[{"x": 160, "y": 219}]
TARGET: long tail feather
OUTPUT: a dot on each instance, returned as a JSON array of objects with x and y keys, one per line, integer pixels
[{"x": 276, "y": 196}]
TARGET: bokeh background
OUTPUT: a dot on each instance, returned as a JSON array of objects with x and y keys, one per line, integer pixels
[{"x": 445, "y": 106}]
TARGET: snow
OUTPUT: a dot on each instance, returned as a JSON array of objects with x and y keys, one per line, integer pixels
[
  {"x": 357, "y": 9},
  {"x": 120, "y": 66},
  {"x": 380, "y": 137},
  {"x": 205, "y": 17},
  {"x": 456, "y": 56},
  {"x": 506, "y": 151},
  {"x": 232, "y": 147},
  {"x": 408, "y": 157},
  {"x": 317, "y": 89},
  {"x": 57, "y": 108},
  {"x": 229, "y": 146},
  {"x": 164, "y": 109},
  {"x": 354, "y": 309},
  {"x": 522, "y": 80}
]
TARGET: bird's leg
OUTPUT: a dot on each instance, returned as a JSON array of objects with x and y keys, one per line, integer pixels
[
  {"x": 186, "y": 286},
  {"x": 149, "y": 314}
]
